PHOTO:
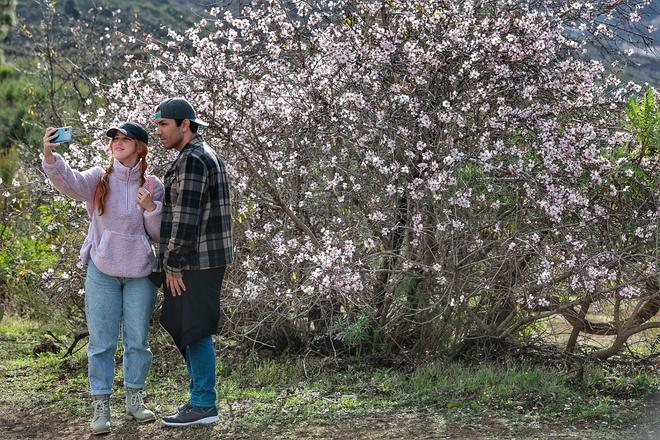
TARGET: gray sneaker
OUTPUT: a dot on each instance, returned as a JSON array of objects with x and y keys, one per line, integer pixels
[
  {"x": 183, "y": 407},
  {"x": 100, "y": 423},
  {"x": 135, "y": 406},
  {"x": 192, "y": 415}
]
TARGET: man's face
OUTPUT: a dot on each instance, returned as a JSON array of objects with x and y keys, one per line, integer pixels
[{"x": 170, "y": 135}]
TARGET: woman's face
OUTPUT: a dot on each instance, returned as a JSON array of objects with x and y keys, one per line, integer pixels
[{"x": 124, "y": 149}]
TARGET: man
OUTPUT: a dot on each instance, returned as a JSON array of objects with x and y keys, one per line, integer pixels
[{"x": 195, "y": 247}]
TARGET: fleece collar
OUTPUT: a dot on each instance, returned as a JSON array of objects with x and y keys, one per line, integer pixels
[{"x": 125, "y": 173}]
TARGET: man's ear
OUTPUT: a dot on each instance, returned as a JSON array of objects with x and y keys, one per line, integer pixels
[{"x": 185, "y": 125}]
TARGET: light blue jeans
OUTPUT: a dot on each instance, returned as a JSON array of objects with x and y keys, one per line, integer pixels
[
  {"x": 113, "y": 304},
  {"x": 200, "y": 361}
]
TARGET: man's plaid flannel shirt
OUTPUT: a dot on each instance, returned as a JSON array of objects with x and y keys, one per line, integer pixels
[{"x": 195, "y": 232}]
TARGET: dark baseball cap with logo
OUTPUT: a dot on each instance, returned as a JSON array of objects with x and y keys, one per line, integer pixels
[
  {"x": 177, "y": 108},
  {"x": 131, "y": 130}
]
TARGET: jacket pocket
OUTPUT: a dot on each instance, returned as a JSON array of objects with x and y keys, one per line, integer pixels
[{"x": 123, "y": 255}]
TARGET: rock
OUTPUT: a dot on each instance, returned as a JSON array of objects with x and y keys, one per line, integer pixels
[{"x": 47, "y": 345}]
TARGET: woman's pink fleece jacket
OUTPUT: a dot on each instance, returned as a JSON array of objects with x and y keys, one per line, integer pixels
[{"x": 119, "y": 241}]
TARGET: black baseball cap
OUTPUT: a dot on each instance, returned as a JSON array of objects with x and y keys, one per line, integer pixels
[
  {"x": 177, "y": 108},
  {"x": 132, "y": 130}
]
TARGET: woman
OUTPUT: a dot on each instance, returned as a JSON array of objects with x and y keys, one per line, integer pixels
[{"x": 125, "y": 210}]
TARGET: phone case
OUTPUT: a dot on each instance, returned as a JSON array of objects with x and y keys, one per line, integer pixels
[{"x": 64, "y": 134}]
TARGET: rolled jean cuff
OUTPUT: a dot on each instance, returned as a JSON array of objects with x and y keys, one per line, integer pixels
[
  {"x": 134, "y": 385},
  {"x": 100, "y": 392}
]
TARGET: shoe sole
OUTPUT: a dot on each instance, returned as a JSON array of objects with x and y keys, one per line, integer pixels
[
  {"x": 132, "y": 417},
  {"x": 205, "y": 421},
  {"x": 101, "y": 432}
]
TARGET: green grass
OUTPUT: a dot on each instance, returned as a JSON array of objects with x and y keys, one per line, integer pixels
[{"x": 305, "y": 399}]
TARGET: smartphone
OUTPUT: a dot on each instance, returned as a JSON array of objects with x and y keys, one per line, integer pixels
[{"x": 64, "y": 134}]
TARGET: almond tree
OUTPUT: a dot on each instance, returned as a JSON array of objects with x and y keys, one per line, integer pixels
[{"x": 417, "y": 174}]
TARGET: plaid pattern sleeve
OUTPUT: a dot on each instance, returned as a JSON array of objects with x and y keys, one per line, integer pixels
[
  {"x": 186, "y": 212},
  {"x": 196, "y": 230}
]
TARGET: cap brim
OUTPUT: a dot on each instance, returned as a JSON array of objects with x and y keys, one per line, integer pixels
[
  {"x": 112, "y": 131},
  {"x": 199, "y": 122}
]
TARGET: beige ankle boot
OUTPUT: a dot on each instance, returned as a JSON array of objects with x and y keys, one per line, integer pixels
[
  {"x": 135, "y": 406},
  {"x": 100, "y": 423}
]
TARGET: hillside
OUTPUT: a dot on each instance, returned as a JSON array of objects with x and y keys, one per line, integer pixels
[
  {"x": 152, "y": 13},
  {"x": 155, "y": 16}
]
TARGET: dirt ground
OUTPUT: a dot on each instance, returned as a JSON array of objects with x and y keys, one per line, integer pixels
[{"x": 19, "y": 425}]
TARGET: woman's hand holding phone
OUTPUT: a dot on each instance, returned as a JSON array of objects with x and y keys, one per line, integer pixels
[{"x": 49, "y": 135}]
